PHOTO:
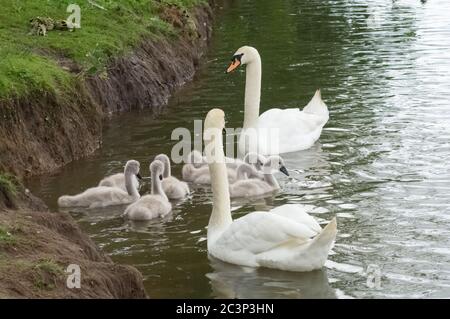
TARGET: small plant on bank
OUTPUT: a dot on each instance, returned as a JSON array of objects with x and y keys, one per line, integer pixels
[
  {"x": 9, "y": 187},
  {"x": 6, "y": 238},
  {"x": 47, "y": 272}
]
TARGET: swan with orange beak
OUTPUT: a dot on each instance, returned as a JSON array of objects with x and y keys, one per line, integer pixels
[{"x": 275, "y": 131}]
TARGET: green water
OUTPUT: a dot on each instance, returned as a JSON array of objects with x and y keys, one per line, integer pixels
[{"x": 381, "y": 165}]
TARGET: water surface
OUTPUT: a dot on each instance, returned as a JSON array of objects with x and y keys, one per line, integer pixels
[{"x": 381, "y": 165}]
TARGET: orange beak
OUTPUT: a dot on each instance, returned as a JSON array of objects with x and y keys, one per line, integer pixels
[{"x": 233, "y": 65}]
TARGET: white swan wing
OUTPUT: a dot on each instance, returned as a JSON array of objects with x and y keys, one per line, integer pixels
[
  {"x": 288, "y": 130},
  {"x": 299, "y": 214},
  {"x": 259, "y": 232},
  {"x": 289, "y": 120},
  {"x": 296, "y": 130}
]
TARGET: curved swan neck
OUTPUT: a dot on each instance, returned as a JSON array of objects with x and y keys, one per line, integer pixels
[
  {"x": 129, "y": 185},
  {"x": 252, "y": 92},
  {"x": 166, "y": 161},
  {"x": 157, "y": 186},
  {"x": 221, "y": 213},
  {"x": 167, "y": 171}
]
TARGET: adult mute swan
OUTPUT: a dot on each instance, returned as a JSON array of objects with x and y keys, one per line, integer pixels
[
  {"x": 285, "y": 238},
  {"x": 102, "y": 196},
  {"x": 172, "y": 187},
  {"x": 151, "y": 206},
  {"x": 275, "y": 131}
]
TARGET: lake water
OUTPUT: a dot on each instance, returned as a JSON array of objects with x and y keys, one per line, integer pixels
[{"x": 381, "y": 165}]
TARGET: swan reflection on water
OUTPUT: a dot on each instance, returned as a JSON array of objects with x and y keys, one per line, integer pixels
[{"x": 231, "y": 281}]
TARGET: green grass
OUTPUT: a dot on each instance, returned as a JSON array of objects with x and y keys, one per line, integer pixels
[
  {"x": 6, "y": 238},
  {"x": 27, "y": 62},
  {"x": 8, "y": 184},
  {"x": 49, "y": 267}
]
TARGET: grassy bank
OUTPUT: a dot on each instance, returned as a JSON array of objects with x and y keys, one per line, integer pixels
[{"x": 30, "y": 63}]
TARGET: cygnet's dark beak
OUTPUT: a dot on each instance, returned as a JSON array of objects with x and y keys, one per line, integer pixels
[
  {"x": 160, "y": 177},
  {"x": 284, "y": 170},
  {"x": 139, "y": 176}
]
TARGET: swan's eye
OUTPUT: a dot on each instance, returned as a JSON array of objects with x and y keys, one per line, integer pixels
[
  {"x": 235, "y": 62},
  {"x": 237, "y": 57}
]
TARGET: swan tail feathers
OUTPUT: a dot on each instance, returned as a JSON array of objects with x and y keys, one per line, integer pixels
[
  {"x": 317, "y": 106},
  {"x": 327, "y": 235}
]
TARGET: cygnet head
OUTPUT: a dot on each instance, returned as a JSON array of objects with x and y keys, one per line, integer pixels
[
  {"x": 244, "y": 55},
  {"x": 274, "y": 163},
  {"x": 157, "y": 169},
  {"x": 132, "y": 167},
  {"x": 255, "y": 159}
]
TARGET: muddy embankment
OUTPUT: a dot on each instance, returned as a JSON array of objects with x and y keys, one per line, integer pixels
[
  {"x": 37, "y": 247},
  {"x": 46, "y": 130}
]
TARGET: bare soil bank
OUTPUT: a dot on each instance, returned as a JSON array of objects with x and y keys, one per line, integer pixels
[{"x": 37, "y": 246}]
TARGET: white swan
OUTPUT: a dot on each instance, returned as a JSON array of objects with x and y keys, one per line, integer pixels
[
  {"x": 102, "y": 196},
  {"x": 275, "y": 131},
  {"x": 252, "y": 182},
  {"x": 172, "y": 186},
  {"x": 118, "y": 180},
  {"x": 151, "y": 206},
  {"x": 285, "y": 238}
]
